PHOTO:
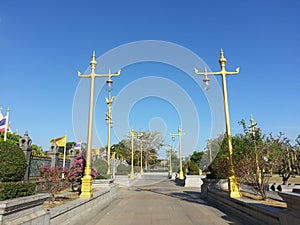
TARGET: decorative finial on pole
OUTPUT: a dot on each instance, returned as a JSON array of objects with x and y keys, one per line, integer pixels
[
  {"x": 93, "y": 62},
  {"x": 222, "y": 59}
]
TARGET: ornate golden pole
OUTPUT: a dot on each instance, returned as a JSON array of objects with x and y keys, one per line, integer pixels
[
  {"x": 179, "y": 134},
  {"x": 142, "y": 171},
  {"x": 132, "y": 133},
  {"x": 109, "y": 102},
  {"x": 170, "y": 162},
  {"x": 141, "y": 148},
  {"x": 86, "y": 186},
  {"x": 234, "y": 186}
]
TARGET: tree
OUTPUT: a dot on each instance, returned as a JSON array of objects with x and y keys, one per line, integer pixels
[
  {"x": 37, "y": 150},
  {"x": 281, "y": 156},
  {"x": 121, "y": 150},
  {"x": 192, "y": 163},
  {"x": 196, "y": 157},
  {"x": 151, "y": 141},
  {"x": 210, "y": 152}
]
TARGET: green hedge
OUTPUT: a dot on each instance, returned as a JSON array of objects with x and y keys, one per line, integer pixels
[
  {"x": 123, "y": 169},
  {"x": 101, "y": 166},
  {"x": 12, "y": 162},
  {"x": 10, "y": 190}
]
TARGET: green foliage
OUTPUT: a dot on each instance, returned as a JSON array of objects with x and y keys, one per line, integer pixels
[
  {"x": 11, "y": 138},
  {"x": 37, "y": 150},
  {"x": 211, "y": 150},
  {"x": 99, "y": 176},
  {"x": 121, "y": 150},
  {"x": 219, "y": 167},
  {"x": 123, "y": 169},
  {"x": 101, "y": 166},
  {"x": 196, "y": 157},
  {"x": 191, "y": 168},
  {"x": 10, "y": 190},
  {"x": 13, "y": 164}
]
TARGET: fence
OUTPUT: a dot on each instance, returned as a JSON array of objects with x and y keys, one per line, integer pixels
[{"x": 37, "y": 162}]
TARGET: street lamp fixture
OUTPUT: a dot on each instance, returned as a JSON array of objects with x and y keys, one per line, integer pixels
[
  {"x": 86, "y": 187},
  {"x": 179, "y": 134},
  {"x": 233, "y": 183}
]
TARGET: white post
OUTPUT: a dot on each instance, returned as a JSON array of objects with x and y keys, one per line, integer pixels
[
  {"x": 6, "y": 123},
  {"x": 64, "y": 160}
]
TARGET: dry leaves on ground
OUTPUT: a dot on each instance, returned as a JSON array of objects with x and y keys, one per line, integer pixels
[{"x": 269, "y": 202}]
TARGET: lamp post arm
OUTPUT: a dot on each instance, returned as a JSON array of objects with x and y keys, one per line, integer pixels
[
  {"x": 109, "y": 74},
  {"x": 83, "y": 76},
  {"x": 237, "y": 70}
]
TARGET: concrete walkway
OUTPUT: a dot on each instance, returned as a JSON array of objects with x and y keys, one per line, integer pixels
[{"x": 161, "y": 202}]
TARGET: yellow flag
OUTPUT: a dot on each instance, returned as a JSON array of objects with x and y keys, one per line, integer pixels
[{"x": 61, "y": 141}]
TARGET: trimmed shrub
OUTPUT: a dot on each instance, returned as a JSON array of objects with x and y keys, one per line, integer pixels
[
  {"x": 191, "y": 168},
  {"x": 123, "y": 169},
  {"x": 10, "y": 190},
  {"x": 101, "y": 166},
  {"x": 12, "y": 164}
]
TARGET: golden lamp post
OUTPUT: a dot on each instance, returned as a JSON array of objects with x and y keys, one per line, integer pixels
[
  {"x": 87, "y": 178},
  {"x": 234, "y": 186},
  {"x": 170, "y": 160},
  {"x": 141, "y": 148},
  {"x": 170, "y": 155},
  {"x": 132, "y": 133},
  {"x": 179, "y": 134},
  {"x": 253, "y": 130},
  {"x": 109, "y": 102}
]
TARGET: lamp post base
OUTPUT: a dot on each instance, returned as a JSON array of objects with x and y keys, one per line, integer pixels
[
  {"x": 234, "y": 187},
  {"x": 131, "y": 175},
  {"x": 181, "y": 177},
  {"x": 142, "y": 171},
  {"x": 86, "y": 187},
  {"x": 108, "y": 170}
]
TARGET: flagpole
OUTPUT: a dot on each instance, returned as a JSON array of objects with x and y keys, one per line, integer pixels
[
  {"x": 64, "y": 160},
  {"x": 6, "y": 123}
]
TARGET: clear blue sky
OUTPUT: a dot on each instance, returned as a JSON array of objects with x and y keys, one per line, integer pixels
[{"x": 44, "y": 43}]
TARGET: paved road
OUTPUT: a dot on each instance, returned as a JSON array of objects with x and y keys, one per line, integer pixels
[{"x": 157, "y": 200}]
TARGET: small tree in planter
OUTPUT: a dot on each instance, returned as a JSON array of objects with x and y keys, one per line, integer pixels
[
  {"x": 77, "y": 172},
  {"x": 52, "y": 181}
]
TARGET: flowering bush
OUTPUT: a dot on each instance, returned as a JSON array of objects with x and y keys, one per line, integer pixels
[
  {"x": 52, "y": 181},
  {"x": 77, "y": 170}
]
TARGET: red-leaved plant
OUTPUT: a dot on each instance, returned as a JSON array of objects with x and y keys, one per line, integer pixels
[
  {"x": 77, "y": 170},
  {"x": 52, "y": 181}
]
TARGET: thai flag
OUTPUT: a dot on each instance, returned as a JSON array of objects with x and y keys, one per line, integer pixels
[
  {"x": 77, "y": 146},
  {"x": 3, "y": 124}
]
